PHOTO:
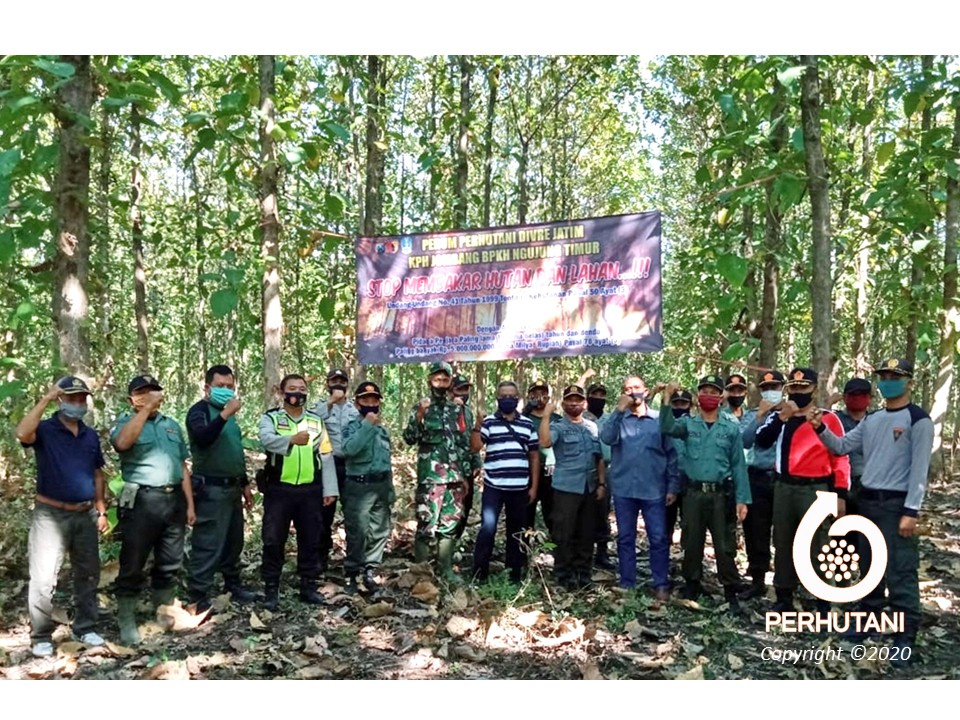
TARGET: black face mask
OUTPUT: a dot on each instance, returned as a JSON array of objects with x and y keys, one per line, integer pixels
[
  {"x": 295, "y": 399},
  {"x": 331, "y": 388},
  {"x": 680, "y": 412},
  {"x": 439, "y": 395},
  {"x": 801, "y": 400},
  {"x": 367, "y": 409},
  {"x": 736, "y": 401},
  {"x": 465, "y": 398},
  {"x": 595, "y": 405},
  {"x": 535, "y": 403}
]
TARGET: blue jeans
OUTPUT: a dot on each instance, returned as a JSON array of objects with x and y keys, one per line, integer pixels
[
  {"x": 655, "y": 520},
  {"x": 494, "y": 500}
]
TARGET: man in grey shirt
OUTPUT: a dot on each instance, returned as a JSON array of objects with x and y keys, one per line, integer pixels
[
  {"x": 896, "y": 444},
  {"x": 336, "y": 413}
]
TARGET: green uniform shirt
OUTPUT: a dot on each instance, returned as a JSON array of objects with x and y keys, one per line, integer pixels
[
  {"x": 366, "y": 447},
  {"x": 712, "y": 453},
  {"x": 443, "y": 441},
  {"x": 156, "y": 458}
]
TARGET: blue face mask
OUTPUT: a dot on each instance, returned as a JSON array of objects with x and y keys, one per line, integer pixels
[
  {"x": 890, "y": 389},
  {"x": 220, "y": 396},
  {"x": 507, "y": 405},
  {"x": 72, "y": 411}
]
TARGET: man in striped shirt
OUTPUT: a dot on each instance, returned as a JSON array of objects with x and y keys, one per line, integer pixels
[{"x": 511, "y": 468}]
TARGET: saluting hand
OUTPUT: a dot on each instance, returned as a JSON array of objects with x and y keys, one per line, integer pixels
[
  {"x": 458, "y": 401},
  {"x": 154, "y": 399},
  {"x": 788, "y": 410},
  {"x": 373, "y": 418},
  {"x": 624, "y": 402},
  {"x": 231, "y": 408},
  {"x": 549, "y": 409},
  {"x": 764, "y": 408},
  {"x": 301, "y": 438},
  {"x": 52, "y": 394},
  {"x": 669, "y": 389},
  {"x": 422, "y": 408},
  {"x": 815, "y": 418},
  {"x": 336, "y": 395}
]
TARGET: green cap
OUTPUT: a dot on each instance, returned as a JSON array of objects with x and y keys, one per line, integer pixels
[{"x": 440, "y": 366}]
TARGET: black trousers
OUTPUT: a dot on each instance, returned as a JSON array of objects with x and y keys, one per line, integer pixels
[
  {"x": 574, "y": 515},
  {"x": 216, "y": 540},
  {"x": 545, "y": 500},
  {"x": 328, "y": 513},
  {"x": 758, "y": 526},
  {"x": 303, "y": 506},
  {"x": 156, "y": 523}
]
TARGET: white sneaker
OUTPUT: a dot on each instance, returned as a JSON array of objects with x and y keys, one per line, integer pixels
[
  {"x": 42, "y": 649},
  {"x": 91, "y": 639}
]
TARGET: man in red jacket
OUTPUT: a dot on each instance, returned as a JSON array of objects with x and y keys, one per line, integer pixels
[{"x": 803, "y": 467}]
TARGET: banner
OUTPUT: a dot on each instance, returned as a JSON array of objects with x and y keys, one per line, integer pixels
[{"x": 577, "y": 287}]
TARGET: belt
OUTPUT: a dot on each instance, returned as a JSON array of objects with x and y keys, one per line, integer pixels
[
  {"x": 369, "y": 477},
  {"x": 794, "y": 480},
  {"x": 72, "y": 507},
  {"x": 220, "y": 481},
  {"x": 166, "y": 489},
  {"x": 869, "y": 494},
  {"x": 761, "y": 472},
  {"x": 708, "y": 487}
]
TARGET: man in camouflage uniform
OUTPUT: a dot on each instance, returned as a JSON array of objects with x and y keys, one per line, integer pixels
[
  {"x": 460, "y": 394},
  {"x": 439, "y": 429}
]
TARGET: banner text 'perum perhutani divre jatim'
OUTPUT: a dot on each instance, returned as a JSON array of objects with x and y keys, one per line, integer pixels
[{"x": 577, "y": 287}]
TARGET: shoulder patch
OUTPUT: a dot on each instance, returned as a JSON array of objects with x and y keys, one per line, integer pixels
[{"x": 917, "y": 413}]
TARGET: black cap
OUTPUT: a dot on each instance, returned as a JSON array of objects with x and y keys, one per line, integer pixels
[
  {"x": 538, "y": 385},
  {"x": 143, "y": 381},
  {"x": 597, "y": 387},
  {"x": 736, "y": 380},
  {"x": 710, "y": 381},
  {"x": 802, "y": 376},
  {"x": 857, "y": 385},
  {"x": 571, "y": 390},
  {"x": 682, "y": 395},
  {"x": 895, "y": 365},
  {"x": 338, "y": 374},
  {"x": 367, "y": 388},
  {"x": 72, "y": 385},
  {"x": 770, "y": 377},
  {"x": 460, "y": 380}
]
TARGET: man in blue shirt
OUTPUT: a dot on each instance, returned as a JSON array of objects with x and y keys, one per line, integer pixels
[
  {"x": 644, "y": 478},
  {"x": 70, "y": 510}
]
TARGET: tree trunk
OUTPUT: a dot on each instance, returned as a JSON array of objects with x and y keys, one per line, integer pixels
[
  {"x": 861, "y": 361},
  {"x": 270, "y": 227},
  {"x": 373, "y": 202},
  {"x": 136, "y": 226},
  {"x": 522, "y": 201},
  {"x": 463, "y": 145},
  {"x": 769, "y": 339},
  {"x": 821, "y": 287},
  {"x": 950, "y": 330},
  {"x": 72, "y": 268},
  {"x": 493, "y": 80}
]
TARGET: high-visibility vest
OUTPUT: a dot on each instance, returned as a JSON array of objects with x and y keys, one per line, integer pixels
[{"x": 302, "y": 465}]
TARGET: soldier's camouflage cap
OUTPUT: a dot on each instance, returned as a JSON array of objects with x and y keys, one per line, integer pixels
[{"x": 440, "y": 366}]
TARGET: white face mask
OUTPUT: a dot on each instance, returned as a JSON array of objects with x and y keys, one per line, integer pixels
[{"x": 774, "y": 397}]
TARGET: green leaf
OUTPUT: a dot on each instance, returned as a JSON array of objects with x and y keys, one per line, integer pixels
[
  {"x": 170, "y": 90},
  {"x": 25, "y": 309},
  {"x": 61, "y": 70},
  {"x": 728, "y": 105},
  {"x": 198, "y": 118},
  {"x": 8, "y": 161},
  {"x": 7, "y": 246},
  {"x": 334, "y": 203},
  {"x": 952, "y": 169},
  {"x": 911, "y": 101},
  {"x": 703, "y": 175},
  {"x": 116, "y": 484},
  {"x": 733, "y": 268},
  {"x": 885, "y": 151},
  {"x": 112, "y": 102},
  {"x": 22, "y": 102},
  {"x": 233, "y": 102},
  {"x": 789, "y": 77},
  {"x": 295, "y": 156},
  {"x": 333, "y": 128},
  {"x": 11, "y": 389},
  {"x": 234, "y": 276},
  {"x": 327, "y": 308},
  {"x": 796, "y": 139},
  {"x": 222, "y": 302},
  {"x": 789, "y": 188}
]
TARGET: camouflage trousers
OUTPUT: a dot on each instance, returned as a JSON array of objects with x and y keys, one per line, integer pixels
[{"x": 440, "y": 507}]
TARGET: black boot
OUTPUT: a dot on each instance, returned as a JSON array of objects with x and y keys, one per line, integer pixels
[
  {"x": 730, "y": 594},
  {"x": 756, "y": 589},
  {"x": 690, "y": 591},
  {"x": 271, "y": 596},
  {"x": 370, "y": 580},
  {"x": 309, "y": 594},
  {"x": 602, "y": 558},
  {"x": 238, "y": 592},
  {"x": 905, "y": 649},
  {"x": 350, "y": 584},
  {"x": 784, "y": 601}
]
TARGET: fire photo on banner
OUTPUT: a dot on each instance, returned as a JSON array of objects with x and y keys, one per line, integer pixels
[{"x": 576, "y": 287}]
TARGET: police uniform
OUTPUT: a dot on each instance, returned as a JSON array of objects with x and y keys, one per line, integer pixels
[
  {"x": 368, "y": 493},
  {"x": 715, "y": 466},
  {"x": 335, "y": 418},
  {"x": 296, "y": 479},
  {"x": 152, "y": 510},
  {"x": 444, "y": 460}
]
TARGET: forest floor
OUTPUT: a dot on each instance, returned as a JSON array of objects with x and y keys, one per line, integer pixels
[{"x": 417, "y": 626}]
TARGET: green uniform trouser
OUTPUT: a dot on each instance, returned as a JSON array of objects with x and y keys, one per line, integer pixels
[
  {"x": 704, "y": 511},
  {"x": 216, "y": 540},
  {"x": 901, "y": 580},
  {"x": 790, "y": 504},
  {"x": 366, "y": 516}
]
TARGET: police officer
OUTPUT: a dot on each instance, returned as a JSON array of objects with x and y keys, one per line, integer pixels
[
  {"x": 368, "y": 492},
  {"x": 758, "y": 526},
  {"x": 155, "y": 504},
  {"x": 856, "y": 401},
  {"x": 68, "y": 512},
  {"x": 896, "y": 446},
  {"x": 714, "y": 457},
  {"x": 579, "y": 481},
  {"x": 803, "y": 467},
  {"x": 221, "y": 490},
  {"x": 538, "y": 395},
  {"x": 444, "y": 461},
  {"x": 596, "y": 402},
  {"x": 299, "y": 479},
  {"x": 460, "y": 394},
  {"x": 336, "y": 413}
]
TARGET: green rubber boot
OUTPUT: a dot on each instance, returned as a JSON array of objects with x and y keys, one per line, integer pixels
[
  {"x": 421, "y": 550},
  {"x": 445, "y": 550},
  {"x": 127, "y": 620},
  {"x": 163, "y": 596}
]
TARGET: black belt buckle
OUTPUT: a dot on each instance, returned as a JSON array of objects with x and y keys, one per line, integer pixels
[
  {"x": 368, "y": 478},
  {"x": 166, "y": 489},
  {"x": 707, "y": 488}
]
